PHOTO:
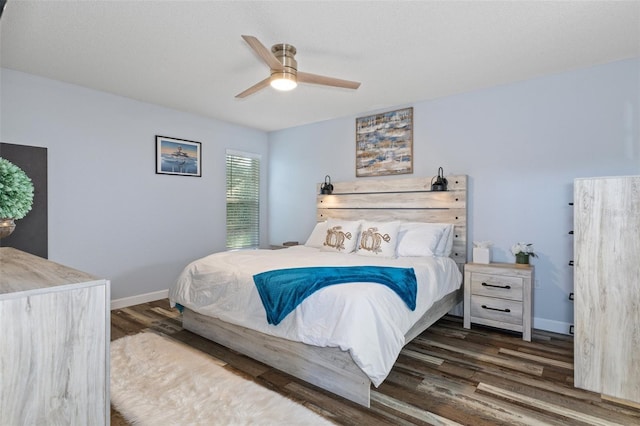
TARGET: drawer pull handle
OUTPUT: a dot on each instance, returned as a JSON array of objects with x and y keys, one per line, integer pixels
[
  {"x": 507, "y": 287},
  {"x": 496, "y": 309}
]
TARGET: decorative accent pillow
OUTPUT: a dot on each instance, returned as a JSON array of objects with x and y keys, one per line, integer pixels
[
  {"x": 341, "y": 235},
  {"x": 378, "y": 239},
  {"x": 422, "y": 239},
  {"x": 318, "y": 235}
]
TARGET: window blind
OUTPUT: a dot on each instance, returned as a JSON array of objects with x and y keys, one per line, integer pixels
[{"x": 243, "y": 200}]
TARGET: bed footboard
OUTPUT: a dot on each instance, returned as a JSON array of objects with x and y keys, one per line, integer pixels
[{"x": 328, "y": 368}]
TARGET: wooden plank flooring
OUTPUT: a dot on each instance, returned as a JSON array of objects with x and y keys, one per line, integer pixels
[{"x": 446, "y": 376}]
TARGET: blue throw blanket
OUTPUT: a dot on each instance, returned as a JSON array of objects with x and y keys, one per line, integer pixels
[{"x": 282, "y": 290}]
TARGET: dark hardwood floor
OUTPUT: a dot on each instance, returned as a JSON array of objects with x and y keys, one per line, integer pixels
[{"x": 446, "y": 376}]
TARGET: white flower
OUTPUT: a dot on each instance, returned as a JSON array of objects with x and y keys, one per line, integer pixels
[{"x": 523, "y": 248}]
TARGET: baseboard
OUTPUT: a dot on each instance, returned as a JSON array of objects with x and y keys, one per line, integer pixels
[
  {"x": 551, "y": 325},
  {"x": 141, "y": 298}
]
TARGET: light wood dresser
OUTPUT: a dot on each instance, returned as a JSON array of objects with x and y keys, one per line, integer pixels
[
  {"x": 607, "y": 286},
  {"x": 499, "y": 295},
  {"x": 54, "y": 343}
]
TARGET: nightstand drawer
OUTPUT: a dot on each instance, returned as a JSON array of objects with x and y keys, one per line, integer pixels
[
  {"x": 502, "y": 286},
  {"x": 502, "y": 310}
]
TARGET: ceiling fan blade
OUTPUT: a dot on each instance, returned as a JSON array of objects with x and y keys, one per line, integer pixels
[
  {"x": 263, "y": 52},
  {"x": 305, "y": 77},
  {"x": 253, "y": 89}
]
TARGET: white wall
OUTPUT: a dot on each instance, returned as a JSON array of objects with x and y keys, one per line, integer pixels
[
  {"x": 109, "y": 213},
  {"x": 521, "y": 146}
]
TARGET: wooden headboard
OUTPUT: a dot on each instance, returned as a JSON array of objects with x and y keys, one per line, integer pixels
[{"x": 401, "y": 199}]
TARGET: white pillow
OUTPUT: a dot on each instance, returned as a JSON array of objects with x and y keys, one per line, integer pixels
[
  {"x": 418, "y": 239},
  {"x": 318, "y": 235},
  {"x": 378, "y": 239},
  {"x": 424, "y": 239},
  {"x": 445, "y": 245},
  {"x": 341, "y": 236}
]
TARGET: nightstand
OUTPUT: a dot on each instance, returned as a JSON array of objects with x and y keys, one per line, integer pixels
[{"x": 499, "y": 295}]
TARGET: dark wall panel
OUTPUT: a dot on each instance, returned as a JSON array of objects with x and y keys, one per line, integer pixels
[{"x": 31, "y": 233}]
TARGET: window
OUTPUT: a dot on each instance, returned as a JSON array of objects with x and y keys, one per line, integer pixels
[{"x": 243, "y": 200}]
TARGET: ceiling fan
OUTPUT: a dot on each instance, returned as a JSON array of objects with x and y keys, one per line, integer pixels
[{"x": 284, "y": 69}]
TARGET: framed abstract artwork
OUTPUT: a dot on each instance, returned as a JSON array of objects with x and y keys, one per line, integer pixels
[
  {"x": 384, "y": 143},
  {"x": 178, "y": 157}
]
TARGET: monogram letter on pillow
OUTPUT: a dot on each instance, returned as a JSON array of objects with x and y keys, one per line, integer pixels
[
  {"x": 378, "y": 239},
  {"x": 341, "y": 236}
]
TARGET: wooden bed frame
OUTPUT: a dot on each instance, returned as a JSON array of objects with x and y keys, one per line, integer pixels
[{"x": 378, "y": 200}]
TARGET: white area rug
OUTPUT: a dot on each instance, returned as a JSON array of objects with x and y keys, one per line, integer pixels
[{"x": 157, "y": 381}]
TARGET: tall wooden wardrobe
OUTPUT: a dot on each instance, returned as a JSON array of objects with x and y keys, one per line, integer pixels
[{"x": 607, "y": 286}]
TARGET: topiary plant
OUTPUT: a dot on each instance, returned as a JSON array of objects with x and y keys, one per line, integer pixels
[{"x": 16, "y": 191}]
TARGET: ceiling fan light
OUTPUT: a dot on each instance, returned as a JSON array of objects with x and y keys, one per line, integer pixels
[{"x": 283, "y": 81}]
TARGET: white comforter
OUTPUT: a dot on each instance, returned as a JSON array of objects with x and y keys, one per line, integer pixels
[{"x": 368, "y": 320}]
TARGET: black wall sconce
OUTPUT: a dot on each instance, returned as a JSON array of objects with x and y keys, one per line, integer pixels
[
  {"x": 440, "y": 183},
  {"x": 326, "y": 187}
]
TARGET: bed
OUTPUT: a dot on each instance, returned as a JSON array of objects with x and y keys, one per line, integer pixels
[{"x": 333, "y": 350}]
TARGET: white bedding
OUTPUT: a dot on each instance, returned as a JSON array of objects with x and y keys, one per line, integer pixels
[{"x": 368, "y": 320}]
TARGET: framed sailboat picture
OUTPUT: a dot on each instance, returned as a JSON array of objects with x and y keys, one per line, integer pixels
[
  {"x": 178, "y": 157},
  {"x": 384, "y": 143}
]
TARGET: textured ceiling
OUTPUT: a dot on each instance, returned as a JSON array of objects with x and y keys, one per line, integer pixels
[{"x": 189, "y": 55}]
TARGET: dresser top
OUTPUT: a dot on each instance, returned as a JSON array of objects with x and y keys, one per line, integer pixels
[
  {"x": 501, "y": 265},
  {"x": 516, "y": 269},
  {"x": 20, "y": 271}
]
